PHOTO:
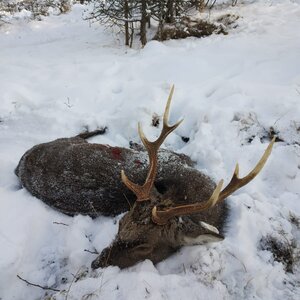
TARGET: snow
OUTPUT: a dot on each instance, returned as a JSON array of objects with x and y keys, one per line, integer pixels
[{"x": 60, "y": 75}]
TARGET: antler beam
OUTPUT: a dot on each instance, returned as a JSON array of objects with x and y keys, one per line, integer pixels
[{"x": 143, "y": 192}]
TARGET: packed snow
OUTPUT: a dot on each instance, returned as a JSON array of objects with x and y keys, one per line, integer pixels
[{"x": 60, "y": 76}]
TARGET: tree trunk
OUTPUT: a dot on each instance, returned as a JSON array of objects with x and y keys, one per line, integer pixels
[
  {"x": 143, "y": 26},
  {"x": 126, "y": 14},
  {"x": 170, "y": 15}
]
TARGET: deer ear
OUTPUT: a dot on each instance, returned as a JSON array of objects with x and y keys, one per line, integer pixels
[{"x": 209, "y": 234}]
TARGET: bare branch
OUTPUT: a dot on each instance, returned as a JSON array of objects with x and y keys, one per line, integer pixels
[{"x": 37, "y": 285}]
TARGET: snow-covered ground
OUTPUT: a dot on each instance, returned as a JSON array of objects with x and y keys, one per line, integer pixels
[{"x": 59, "y": 76}]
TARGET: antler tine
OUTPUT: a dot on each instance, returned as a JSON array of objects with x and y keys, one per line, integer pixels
[
  {"x": 162, "y": 217},
  {"x": 236, "y": 182},
  {"x": 166, "y": 130},
  {"x": 143, "y": 192}
]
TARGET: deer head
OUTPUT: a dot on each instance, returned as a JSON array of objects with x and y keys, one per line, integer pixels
[{"x": 156, "y": 226}]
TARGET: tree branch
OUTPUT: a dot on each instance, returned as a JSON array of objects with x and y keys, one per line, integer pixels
[{"x": 37, "y": 285}]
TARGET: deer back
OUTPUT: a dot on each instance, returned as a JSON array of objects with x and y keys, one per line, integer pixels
[{"x": 77, "y": 177}]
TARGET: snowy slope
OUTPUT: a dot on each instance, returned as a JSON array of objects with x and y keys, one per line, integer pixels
[{"x": 60, "y": 76}]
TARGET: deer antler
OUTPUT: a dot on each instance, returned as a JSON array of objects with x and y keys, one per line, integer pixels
[
  {"x": 161, "y": 217},
  {"x": 143, "y": 192},
  {"x": 236, "y": 182}
]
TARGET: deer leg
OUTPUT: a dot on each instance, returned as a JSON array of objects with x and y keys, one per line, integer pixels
[{"x": 89, "y": 134}]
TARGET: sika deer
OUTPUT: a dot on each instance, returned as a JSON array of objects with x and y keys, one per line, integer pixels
[{"x": 171, "y": 207}]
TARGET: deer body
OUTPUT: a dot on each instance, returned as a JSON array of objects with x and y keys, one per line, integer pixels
[{"x": 77, "y": 177}]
